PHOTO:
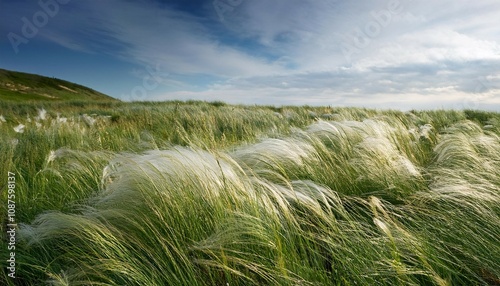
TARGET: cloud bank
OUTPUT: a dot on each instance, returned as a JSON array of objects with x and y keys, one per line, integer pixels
[{"x": 387, "y": 54}]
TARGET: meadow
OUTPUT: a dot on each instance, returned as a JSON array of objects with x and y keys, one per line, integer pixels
[{"x": 206, "y": 193}]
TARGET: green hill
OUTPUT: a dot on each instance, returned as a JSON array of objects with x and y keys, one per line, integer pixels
[{"x": 19, "y": 86}]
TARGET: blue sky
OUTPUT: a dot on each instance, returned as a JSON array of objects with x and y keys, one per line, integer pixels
[{"x": 385, "y": 54}]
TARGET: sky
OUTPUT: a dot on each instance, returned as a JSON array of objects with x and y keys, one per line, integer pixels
[{"x": 398, "y": 54}]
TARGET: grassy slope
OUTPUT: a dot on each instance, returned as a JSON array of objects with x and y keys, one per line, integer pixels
[
  {"x": 255, "y": 195},
  {"x": 20, "y": 87}
]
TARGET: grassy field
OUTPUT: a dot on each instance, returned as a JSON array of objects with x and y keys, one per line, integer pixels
[{"x": 197, "y": 193}]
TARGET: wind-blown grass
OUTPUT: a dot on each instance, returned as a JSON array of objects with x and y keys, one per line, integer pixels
[{"x": 365, "y": 198}]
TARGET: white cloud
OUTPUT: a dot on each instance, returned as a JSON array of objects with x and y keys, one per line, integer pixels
[
  {"x": 404, "y": 52},
  {"x": 432, "y": 98},
  {"x": 148, "y": 35}
]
